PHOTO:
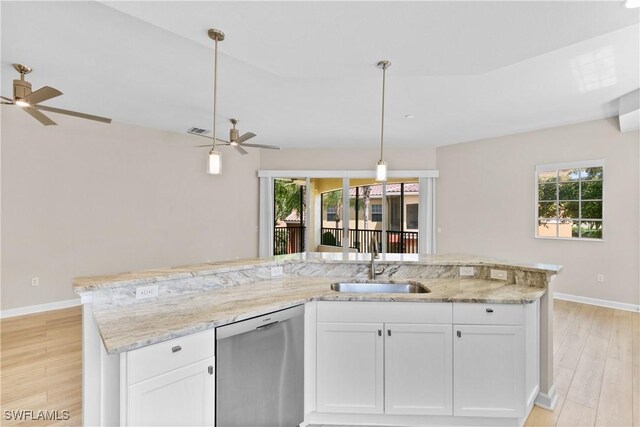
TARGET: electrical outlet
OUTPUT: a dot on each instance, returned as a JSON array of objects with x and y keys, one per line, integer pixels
[
  {"x": 600, "y": 278},
  {"x": 149, "y": 291},
  {"x": 466, "y": 271},
  {"x": 277, "y": 271},
  {"x": 499, "y": 274},
  {"x": 35, "y": 281}
]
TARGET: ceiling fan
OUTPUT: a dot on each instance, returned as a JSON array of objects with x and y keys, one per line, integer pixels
[
  {"x": 30, "y": 101},
  {"x": 237, "y": 141}
]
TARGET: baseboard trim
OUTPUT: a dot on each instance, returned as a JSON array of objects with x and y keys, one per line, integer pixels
[
  {"x": 548, "y": 401},
  {"x": 595, "y": 301},
  {"x": 31, "y": 309}
]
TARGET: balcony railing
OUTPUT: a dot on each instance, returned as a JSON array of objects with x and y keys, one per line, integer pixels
[
  {"x": 288, "y": 240},
  {"x": 399, "y": 242}
]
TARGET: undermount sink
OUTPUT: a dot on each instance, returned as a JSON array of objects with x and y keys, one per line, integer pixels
[{"x": 380, "y": 287}]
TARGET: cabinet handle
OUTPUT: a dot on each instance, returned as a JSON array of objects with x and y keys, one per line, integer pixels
[
  {"x": 176, "y": 348},
  {"x": 389, "y": 332},
  {"x": 210, "y": 370},
  {"x": 489, "y": 310},
  {"x": 379, "y": 332},
  {"x": 459, "y": 334}
]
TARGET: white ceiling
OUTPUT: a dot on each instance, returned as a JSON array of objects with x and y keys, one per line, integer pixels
[{"x": 302, "y": 74}]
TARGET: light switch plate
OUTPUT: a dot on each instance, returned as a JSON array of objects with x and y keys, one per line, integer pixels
[
  {"x": 466, "y": 271},
  {"x": 149, "y": 291},
  {"x": 277, "y": 271},
  {"x": 499, "y": 274}
]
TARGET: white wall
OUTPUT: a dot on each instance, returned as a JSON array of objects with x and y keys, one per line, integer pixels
[
  {"x": 486, "y": 205},
  {"x": 85, "y": 198}
]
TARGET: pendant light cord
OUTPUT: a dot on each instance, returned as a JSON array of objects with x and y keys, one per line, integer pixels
[
  {"x": 215, "y": 89},
  {"x": 384, "y": 75}
]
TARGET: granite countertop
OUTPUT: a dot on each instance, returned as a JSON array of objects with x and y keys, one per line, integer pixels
[
  {"x": 130, "y": 326},
  {"x": 92, "y": 283}
]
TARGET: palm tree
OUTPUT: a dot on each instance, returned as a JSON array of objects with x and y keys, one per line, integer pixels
[
  {"x": 287, "y": 198},
  {"x": 366, "y": 198},
  {"x": 334, "y": 198}
]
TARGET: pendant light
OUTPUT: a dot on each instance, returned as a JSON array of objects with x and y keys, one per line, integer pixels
[
  {"x": 381, "y": 168},
  {"x": 215, "y": 158}
]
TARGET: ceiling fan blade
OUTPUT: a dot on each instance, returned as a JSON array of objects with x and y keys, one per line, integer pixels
[
  {"x": 39, "y": 116},
  {"x": 268, "y": 147},
  {"x": 42, "y": 95},
  {"x": 73, "y": 113},
  {"x": 7, "y": 99},
  {"x": 240, "y": 149},
  {"x": 245, "y": 136}
]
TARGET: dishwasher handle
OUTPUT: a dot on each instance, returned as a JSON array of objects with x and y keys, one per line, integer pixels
[
  {"x": 267, "y": 326},
  {"x": 259, "y": 323}
]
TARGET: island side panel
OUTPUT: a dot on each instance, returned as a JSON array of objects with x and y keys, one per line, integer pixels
[
  {"x": 100, "y": 374},
  {"x": 547, "y": 398}
]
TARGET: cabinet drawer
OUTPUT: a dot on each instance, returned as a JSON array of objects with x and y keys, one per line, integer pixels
[
  {"x": 488, "y": 314},
  {"x": 166, "y": 356},
  {"x": 384, "y": 312}
]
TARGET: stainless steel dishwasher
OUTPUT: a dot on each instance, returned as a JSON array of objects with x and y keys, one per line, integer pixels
[{"x": 260, "y": 371}]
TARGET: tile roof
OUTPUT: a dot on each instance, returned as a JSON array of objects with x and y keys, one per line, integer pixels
[{"x": 376, "y": 190}]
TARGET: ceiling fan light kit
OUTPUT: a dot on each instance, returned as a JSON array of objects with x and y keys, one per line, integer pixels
[
  {"x": 381, "y": 167},
  {"x": 30, "y": 101}
]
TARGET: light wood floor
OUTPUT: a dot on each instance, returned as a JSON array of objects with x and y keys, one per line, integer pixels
[
  {"x": 41, "y": 365},
  {"x": 597, "y": 366}
]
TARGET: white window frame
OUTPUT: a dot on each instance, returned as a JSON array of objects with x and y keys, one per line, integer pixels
[
  {"x": 334, "y": 212},
  {"x": 376, "y": 213},
  {"x": 426, "y": 221},
  {"x": 570, "y": 165}
]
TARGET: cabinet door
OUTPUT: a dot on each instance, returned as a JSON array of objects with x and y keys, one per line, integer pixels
[
  {"x": 418, "y": 369},
  {"x": 184, "y": 397},
  {"x": 489, "y": 371},
  {"x": 350, "y": 368}
]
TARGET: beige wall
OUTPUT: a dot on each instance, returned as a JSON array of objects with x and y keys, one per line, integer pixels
[
  {"x": 85, "y": 198},
  {"x": 486, "y": 205},
  {"x": 347, "y": 159}
]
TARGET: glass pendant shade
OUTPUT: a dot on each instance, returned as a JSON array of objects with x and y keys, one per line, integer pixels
[
  {"x": 381, "y": 171},
  {"x": 215, "y": 163}
]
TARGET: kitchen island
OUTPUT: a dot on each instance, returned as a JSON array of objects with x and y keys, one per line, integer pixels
[{"x": 192, "y": 300}]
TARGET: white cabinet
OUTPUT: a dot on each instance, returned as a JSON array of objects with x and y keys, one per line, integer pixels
[
  {"x": 372, "y": 367},
  {"x": 181, "y": 397},
  {"x": 350, "y": 367},
  {"x": 170, "y": 383},
  {"x": 418, "y": 369},
  {"x": 489, "y": 366},
  {"x": 496, "y": 369}
]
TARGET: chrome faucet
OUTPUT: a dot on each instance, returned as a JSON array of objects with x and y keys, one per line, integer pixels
[{"x": 373, "y": 247}]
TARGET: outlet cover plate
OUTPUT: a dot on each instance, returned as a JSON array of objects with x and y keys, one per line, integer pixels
[
  {"x": 499, "y": 274},
  {"x": 143, "y": 292},
  {"x": 467, "y": 271}
]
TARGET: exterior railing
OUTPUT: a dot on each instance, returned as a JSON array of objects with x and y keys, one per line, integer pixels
[
  {"x": 288, "y": 240},
  {"x": 397, "y": 241}
]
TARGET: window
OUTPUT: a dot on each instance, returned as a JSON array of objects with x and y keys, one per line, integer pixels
[
  {"x": 376, "y": 213},
  {"x": 331, "y": 213},
  {"x": 569, "y": 200},
  {"x": 412, "y": 216}
]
